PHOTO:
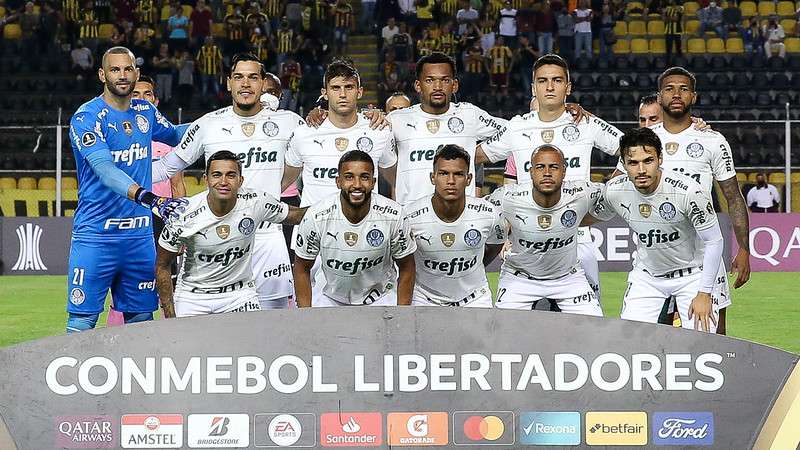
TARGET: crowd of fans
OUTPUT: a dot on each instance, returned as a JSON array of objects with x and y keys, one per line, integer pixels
[{"x": 186, "y": 45}]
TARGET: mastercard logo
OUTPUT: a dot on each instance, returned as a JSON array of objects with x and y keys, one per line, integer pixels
[{"x": 480, "y": 428}]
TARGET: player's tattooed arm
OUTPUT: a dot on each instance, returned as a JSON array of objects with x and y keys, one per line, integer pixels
[
  {"x": 295, "y": 215},
  {"x": 290, "y": 174},
  {"x": 491, "y": 252},
  {"x": 390, "y": 175},
  {"x": 302, "y": 281},
  {"x": 164, "y": 261},
  {"x": 741, "y": 229},
  {"x": 405, "y": 279}
]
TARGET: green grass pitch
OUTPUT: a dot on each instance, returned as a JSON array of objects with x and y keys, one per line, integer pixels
[{"x": 765, "y": 310}]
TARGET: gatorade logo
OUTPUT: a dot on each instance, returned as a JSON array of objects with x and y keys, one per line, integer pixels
[
  {"x": 616, "y": 428},
  {"x": 483, "y": 428},
  {"x": 417, "y": 429}
]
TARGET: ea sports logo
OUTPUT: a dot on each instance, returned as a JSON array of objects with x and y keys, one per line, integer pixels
[{"x": 284, "y": 430}]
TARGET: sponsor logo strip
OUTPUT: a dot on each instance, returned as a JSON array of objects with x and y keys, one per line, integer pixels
[
  {"x": 616, "y": 428},
  {"x": 351, "y": 429},
  {"x": 550, "y": 428},
  {"x": 683, "y": 428},
  {"x": 417, "y": 429},
  {"x": 218, "y": 431},
  {"x": 85, "y": 432},
  {"x": 151, "y": 431},
  {"x": 483, "y": 428}
]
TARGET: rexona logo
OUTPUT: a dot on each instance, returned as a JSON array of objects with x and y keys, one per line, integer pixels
[
  {"x": 550, "y": 428},
  {"x": 350, "y": 429},
  {"x": 85, "y": 432},
  {"x": 218, "y": 431},
  {"x": 152, "y": 431},
  {"x": 285, "y": 430},
  {"x": 683, "y": 428},
  {"x": 417, "y": 429},
  {"x": 483, "y": 428},
  {"x": 616, "y": 428}
]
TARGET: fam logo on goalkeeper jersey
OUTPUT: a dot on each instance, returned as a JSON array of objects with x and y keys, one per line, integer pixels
[
  {"x": 218, "y": 431},
  {"x": 29, "y": 236}
]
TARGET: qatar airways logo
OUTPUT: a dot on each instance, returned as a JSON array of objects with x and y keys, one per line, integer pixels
[
  {"x": 134, "y": 153},
  {"x": 453, "y": 266}
]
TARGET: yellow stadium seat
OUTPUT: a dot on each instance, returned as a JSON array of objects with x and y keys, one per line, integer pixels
[
  {"x": 751, "y": 177},
  {"x": 766, "y": 8},
  {"x": 47, "y": 184},
  {"x": 165, "y": 12},
  {"x": 8, "y": 183},
  {"x": 792, "y": 44},
  {"x": 690, "y": 8},
  {"x": 620, "y": 28},
  {"x": 692, "y": 27},
  {"x": 655, "y": 28},
  {"x": 218, "y": 29},
  {"x": 741, "y": 177},
  {"x": 734, "y": 45},
  {"x": 26, "y": 183},
  {"x": 776, "y": 178},
  {"x": 785, "y": 9},
  {"x": 788, "y": 25},
  {"x": 598, "y": 178},
  {"x": 622, "y": 46},
  {"x": 658, "y": 46},
  {"x": 634, "y": 5},
  {"x": 637, "y": 28},
  {"x": 187, "y": 10},
  {"x": 37, "y": 9},
  {"x": 196, "y": 189},
  {"x": 12, "y": 31},
  {"x": 749, "y": 9},
  {"x": 639, "y": 46},
  {"x": 715, "y": 45},
  {"x": 2, "y": 11},
  {"x": 795, "y": 177},
  {"x": 69, "y": 183},
  {"x": 105, "y": 31},
  {"x": 190, "y": 180},
  {"x": 696, "y": 45}
]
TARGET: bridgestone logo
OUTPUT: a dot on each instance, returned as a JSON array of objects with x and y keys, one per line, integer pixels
[{"x": 29, "y": 258}]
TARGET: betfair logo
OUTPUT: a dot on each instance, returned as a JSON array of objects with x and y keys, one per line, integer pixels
[{"x": 616, "y": 428}]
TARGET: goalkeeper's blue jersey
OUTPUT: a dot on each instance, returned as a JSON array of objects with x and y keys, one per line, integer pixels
[{"x": 127, "y": 136}]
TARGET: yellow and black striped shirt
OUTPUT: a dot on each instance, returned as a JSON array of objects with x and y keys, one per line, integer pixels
[
  {"x": 209, "y": 58},
  {"x": 493, "y": 8},
  {"x": 89, "y": 28},
  {"x": 234, "y": 27},
  {"x": 71, "y": 10},
  {"x": 448, "y": 7},
  {"x": 146, "y": 11},
  {"x": 343, "y": 16},
  {"x": 321, "y": 10},
  {"x": 260, "y": 46},
  {"x": 427, "y": 46},
  {"x": 674, "y": 17},
  {"x": 500, "y": 59},
  {"x": 285, "y": 40},
  {"x": 448, "y": 44},
  {"x": 474, "y": 62},
  {"x": 273, "y": 8}
]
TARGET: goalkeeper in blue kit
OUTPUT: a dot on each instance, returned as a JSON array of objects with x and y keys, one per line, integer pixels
[{"x": 112, "y": 239}]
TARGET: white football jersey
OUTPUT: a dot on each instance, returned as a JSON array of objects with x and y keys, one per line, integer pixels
[
  {"x": 318, "y": 150},
  {"x": 664, "y": 223},
  {"x": 449, "y": 256},
  {"x": 527, "y": 132},
  {"x": 219, "y": 249},
  {"x": 544, "y": 242},
  {"x": 356, "y": 259},
  {"x": 420, "y": 134}
]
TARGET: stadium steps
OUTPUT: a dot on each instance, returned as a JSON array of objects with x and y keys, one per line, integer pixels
[{"x": 363, "y": 50}]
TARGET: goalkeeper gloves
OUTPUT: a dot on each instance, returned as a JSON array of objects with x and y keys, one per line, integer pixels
[{"x": 166, "y": 208}]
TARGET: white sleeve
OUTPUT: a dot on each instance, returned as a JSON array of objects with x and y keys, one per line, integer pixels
[
  {"x": 722, "y": 161},
  {"x": 272, "y": 209},
  {"x": 293, "y": 155},
  {"x": 606, "y": 136},
  {"x": 388, "y": 155},
  {"x": 170, "y": 238},
  {"x": 486, "y": 125},
  {"x": 497, "y": 235},
  {"x": 776, "y": 196},
  {"x": 401, "y": 244},
  {"x": 166, "y": 167},
  {"x": 599, "y": 208},
  {"x": 307, "y": 243},
  {"x": 751, "y": 197},
  {"x": 700, "y": 211},
  {"x": 191, "y": 147},
  {"x": 712, "y": 238},
  {"x": 501, "y": 145}
]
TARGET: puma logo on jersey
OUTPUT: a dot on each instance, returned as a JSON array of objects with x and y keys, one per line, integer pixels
[
  {"x": 335, "y": 236},
  {"x": 527, "y": 136},
  {"x": 113, "y": 126},
  {"x": 319, "y": 142},
  {"x": 657, "y": 236},
  {"x": 627, "y": 207},
  {"x": 425, "y": 238},
  {"x": 412, "y": 126},
  {"x": 520, "y": 218},
  {"x": 203, "y": 233},
  {"x": 549, "y": 244},
  {"x": 353, "y": 267},
  {"x": 229, "y": 130}
]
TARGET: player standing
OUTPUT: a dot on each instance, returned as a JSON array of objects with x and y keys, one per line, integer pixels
[
  {"x": 359, "y": 237},
  {"x": 668, "y": 212},
  {"x": 457, "y": 236},
  {"x": 112, "y": 239},
  {"x": 542, "y": 263},
  {"x": 259, "y": 137},
  {"x": 218, "y": 231},
  {"x": 553, "y": 124}
]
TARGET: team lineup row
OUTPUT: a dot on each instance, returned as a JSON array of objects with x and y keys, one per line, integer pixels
[{"x": 357, "y": 237}]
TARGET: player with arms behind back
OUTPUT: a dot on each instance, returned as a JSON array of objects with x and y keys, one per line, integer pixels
[
  {"x": 218, "y": 231},
  {"x": 112, "y": 243},
  {"x": 358, "y": 237},
  {"x": 542, "y": 263},
  {"x": 667, "y": 211},
  {"x": 456, "y": 235}
]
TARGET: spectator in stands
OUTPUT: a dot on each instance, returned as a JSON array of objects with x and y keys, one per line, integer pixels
[
  {"x": 711, "y": 19},
  {"x": 524, "y": 57},
  {"x": 545, "y": 26},
  {"x": 284, "y": 43},
  {"x": 474, "y": 67},
  {"x": 145, "y": 12},
  {"x": 408, "y": 12},
  {"x": 424, "y": 13},
  {"x": 732, "y": 18},
  {"x": 164, "y": 67},
  {"x": 403, "y": 45},
  {"x": 202, "y": 21},
  {"x": 753, "y": 37},
  {"x": 259, "y": 45},
  {"x": 387, "y": 9},
  {"x": 144, "y": 40},
  {"x": 448, "y": 44},
  {"x": 49, "y": 29},
  {"x": 366, "y": 20},
  {"x": 89, "y": 27},
  {"x": 500, "y": 60},
  {"x": 673, "y": 28},
  {"x": 486, "y": 34},
  {"x": 185, "y": 64},
  {"x": 82, "y": 61},
  {"x": 392, "y": 76},
  {"x": 607, "y": 38},
  {"x": 426, "y": 45},
  {"x": 396, "y": 101},
  {"x": 290, "y": 75},
  {"x": 526, "y": 21},
  {"x": 294, "y": 12},
  {"x": 465, "y": 16},
  {"x": 29, "y": 24},
  {"x": 508, "y": 25},
  {"x": 234, "y": 32},
  {"x": 773, "y": 38},
  {"x": 118, "y": 37},
  {"x": 763, "y": 197},
  {"x": 388, "y": 32},
  {"x": 583, "y": 16},
  {"x": 343, "y": 23},
  {"x": 102, "y": 9},
  {"x": 178, "y": 26},
  {"x": 566, "y": 34},
  {"x": 209, "y": 60},
  {"x": 123, "y": 10}
]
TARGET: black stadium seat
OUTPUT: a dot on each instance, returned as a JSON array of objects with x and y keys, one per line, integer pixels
[
  {"x": 721, "y": 81},
  {"x": 740, "y": 81},
  {"x": 776, "y": 63},
  {"x": 779, "y": 81},
  {"x": 759, "y": 81},
  {"x": 605, "y": 81}
]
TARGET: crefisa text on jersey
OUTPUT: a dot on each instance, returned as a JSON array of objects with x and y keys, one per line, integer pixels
[{"x": 290, "y": 374}]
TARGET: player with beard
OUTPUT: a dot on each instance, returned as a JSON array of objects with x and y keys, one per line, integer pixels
[
  {"x": 552, "y": 124},
  {"x": 217, "y": 231},
  {"x": 544, "y": 216},
  {"x": 259, "y": 137},
  {"x": 670, "y": 214},
  {"x": 457, "y": 236},
  {"x": 112, "y": 243},
  {"x": 361, "y": 239}
]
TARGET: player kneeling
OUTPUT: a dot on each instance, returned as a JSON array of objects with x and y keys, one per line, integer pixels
[
  {"x": 666, "y": 211},
  {"x": 218, "y": 232},
  {"x": 358, "y": 236},
  {"x": 542, "y": 263},
  {"x": 456, "y": 236}
]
